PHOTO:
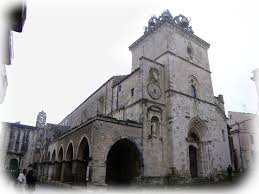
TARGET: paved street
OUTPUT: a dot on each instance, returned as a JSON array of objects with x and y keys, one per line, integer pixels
[
  {"x": 246, "y": 183},
  {"x": 50, "y": 189}
]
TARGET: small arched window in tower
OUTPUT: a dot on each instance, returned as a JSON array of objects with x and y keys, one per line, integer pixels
[
  {"x": 193, "y": 87},
  {"x": 155, "y": 125},
  {"x": 194, "y": 94}
]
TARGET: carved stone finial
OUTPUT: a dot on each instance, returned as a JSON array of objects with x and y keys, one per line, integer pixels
[
  {"x": 183, "y": 22},
  {"x": 166, "y": 15},
  {"x": 179, "y": 20}
]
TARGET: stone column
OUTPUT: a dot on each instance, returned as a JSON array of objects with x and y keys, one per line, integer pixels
[
  {"x": 79, "y": 171},
  {"x": 98, "y": 173},
  {"x": 46, "y": 170},
  {"x": 50, "y": 171},
  {"x": 62, "y": 171},
  {"x": 66, "y": 173},
  {"x": 57, "y": 171}
]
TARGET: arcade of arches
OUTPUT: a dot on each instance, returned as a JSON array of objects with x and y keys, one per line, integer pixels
[
  {"x": 64, "y": 168},
  {"x": 123, "y": 165}
]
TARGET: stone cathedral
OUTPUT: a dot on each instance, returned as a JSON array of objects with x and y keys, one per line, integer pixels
[{"x": 160, "y": 124}]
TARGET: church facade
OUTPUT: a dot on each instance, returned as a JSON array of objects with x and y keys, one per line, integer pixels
[{"x": 160, "y": 124}]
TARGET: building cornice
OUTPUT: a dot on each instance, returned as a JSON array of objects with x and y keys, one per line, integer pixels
[{"x": 100, "y": 118}]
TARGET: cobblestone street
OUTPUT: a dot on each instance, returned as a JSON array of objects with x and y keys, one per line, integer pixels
[{"x": 246, "y": 183}]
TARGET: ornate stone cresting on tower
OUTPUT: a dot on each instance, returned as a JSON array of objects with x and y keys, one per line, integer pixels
[
  {"x": 180, "y": 21},
  {"x": 41, "y": 119},
  {"x": 255, "y": 78}
]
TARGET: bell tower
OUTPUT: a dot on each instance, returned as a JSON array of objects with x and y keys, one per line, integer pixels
[{"x": 41, "y": 119}]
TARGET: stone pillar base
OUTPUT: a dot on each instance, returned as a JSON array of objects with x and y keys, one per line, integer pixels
[{"x": 99, "y": 188}]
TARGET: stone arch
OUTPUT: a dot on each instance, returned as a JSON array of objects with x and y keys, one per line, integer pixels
[
  {"x": 60, "y": 154},
  {"x": 124, "y": 163},
  {"x": 67, "y": 175},
  {"x": 197, "y": 127},
  {"x": 48, "y": 156},
  {"x": 53, "y": 156},
  {"x": 84, "y": 137},
  {"x": 197, "y": 138},
  {"x": 58, "y": 167},
  {"x": 69, "y": 155},
  {"x": 119, "y": 138},
  {"x": 51, "y": 165},
  {"x": 82, "y": 160}
]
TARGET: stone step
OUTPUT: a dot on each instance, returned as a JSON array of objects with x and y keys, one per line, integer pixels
[{"x": 200, "y": 180}]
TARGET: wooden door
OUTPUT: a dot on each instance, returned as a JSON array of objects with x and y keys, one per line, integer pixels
[{"x": 193, "y": 161}]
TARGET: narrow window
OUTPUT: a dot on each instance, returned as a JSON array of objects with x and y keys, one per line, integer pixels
[
  {"x": 252, "y": 139},
  {"x": 119, "y": 88},
  {"x": 193, "y": 91},
  {"x": 223, "y": 135},
  {"x": 132, "y": 92}
]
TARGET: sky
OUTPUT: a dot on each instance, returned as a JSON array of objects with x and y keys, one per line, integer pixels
[{"x": 69, "y": 49}]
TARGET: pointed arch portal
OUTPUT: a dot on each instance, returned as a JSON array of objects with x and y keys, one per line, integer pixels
[
  {"x": 124, "y": 163},
  {"x": 198, "y": 149}
]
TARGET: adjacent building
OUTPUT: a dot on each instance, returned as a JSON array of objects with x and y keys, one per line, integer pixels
[
  {"x": 16, "y": 17},
  {"x": 243, "y": 138},
  {"x": 22, "y": 145}
]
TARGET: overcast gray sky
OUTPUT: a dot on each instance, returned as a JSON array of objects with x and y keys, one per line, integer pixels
[{"x": 67, "y": 50}]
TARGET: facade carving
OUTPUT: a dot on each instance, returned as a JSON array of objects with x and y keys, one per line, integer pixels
[{"x": 157, "y": 125}]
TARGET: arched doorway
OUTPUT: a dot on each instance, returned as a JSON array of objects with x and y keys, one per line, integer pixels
[
  {"x": 59, "y": 164},
  {"x": 199, "y": 163},
  {"x": 67, "y": 176},
  {"x": 124, "y": 163},
  {"x": 193, "y": 161},
  {"x": 13, "y": 168},
  {"x": 82, "y": 161}
]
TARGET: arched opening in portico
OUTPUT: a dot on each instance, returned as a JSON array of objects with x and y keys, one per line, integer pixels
[
  {"x": 198, "y": 149},
  {"x": 59, "y": 164},
  {"x": 124, "y": 163},
  {"x": 51, "y": 166},
  {"x": 82, "y": 162},
  {"x": 67, "y": 175}
]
